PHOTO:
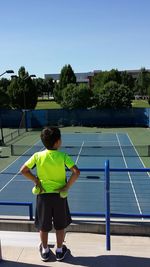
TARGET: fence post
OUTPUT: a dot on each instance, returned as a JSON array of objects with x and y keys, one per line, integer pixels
[{"x": 107, "y": 199}]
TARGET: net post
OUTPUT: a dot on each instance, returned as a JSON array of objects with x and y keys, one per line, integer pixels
[
  {"x": 12, "y": 150},
  {"x": 148, "y": 150},
  {"x": 107, "y": 197}
]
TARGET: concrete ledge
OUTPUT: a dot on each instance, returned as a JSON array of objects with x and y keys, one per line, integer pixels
[
  {"x": 117, "y": 228},
  {"x": 17, "y": 225}
]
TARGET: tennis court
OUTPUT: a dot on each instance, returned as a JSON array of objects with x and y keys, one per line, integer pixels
[{"x": 130, "y": 192}]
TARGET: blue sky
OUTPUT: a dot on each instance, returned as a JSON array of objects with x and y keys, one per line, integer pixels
[{"x": 44, "y": 35}]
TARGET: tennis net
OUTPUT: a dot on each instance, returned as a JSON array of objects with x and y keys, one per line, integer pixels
[
  {"x": 87, "y": 151},
  {"x": 14, "y": 133}
]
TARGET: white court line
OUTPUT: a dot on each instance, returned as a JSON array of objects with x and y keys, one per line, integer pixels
[
  {"x": 99, "y": 181},
  {"x": 13, "y": 163},
  {"x": 137, "y": 153},
  {"x": 79, "y": 152},
  {"x": 135, "y": 195},
  {"x": 9, "y": 181},
  {"x": 19, "y": 157}
]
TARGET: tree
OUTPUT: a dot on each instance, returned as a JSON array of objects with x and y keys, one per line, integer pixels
[
  {"x": 114, "y": 95},
  {"x": 22, "y": 91},
  {"x": 39, "y": 84},
  {"x": 49, "y": 86},
  {"x": 22, "y": 73},
  {"x": 4, "y": 99},
  {"x": 67, "y": 76},
  {"x": 101, "y": 78},
  {"x": 4, "y": 83},
  {"x": 142, "y": 82},
  {"x": 15, "y": 94},
  {"x": 127, "y": 80},
  {"x": 76, "y": 96}
]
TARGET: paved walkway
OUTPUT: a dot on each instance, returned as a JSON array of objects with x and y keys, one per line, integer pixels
[{"x": 20, "y": 249}]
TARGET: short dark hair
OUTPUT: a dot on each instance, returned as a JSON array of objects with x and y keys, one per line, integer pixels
[{"x": 49, "y": 136}]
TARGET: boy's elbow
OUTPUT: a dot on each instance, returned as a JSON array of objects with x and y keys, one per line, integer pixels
[
  {"x": 75, "y": 171},
  {"x": 24, "y": 169},
  {"x": 78, "y": 172}
]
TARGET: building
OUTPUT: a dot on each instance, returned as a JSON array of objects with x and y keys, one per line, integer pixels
[
  {"x": 86, "y": 77},
  {"x": 81, "y": 77}
]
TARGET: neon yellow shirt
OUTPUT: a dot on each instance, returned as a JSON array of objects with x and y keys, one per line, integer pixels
[{"x": 50, "y": 166}]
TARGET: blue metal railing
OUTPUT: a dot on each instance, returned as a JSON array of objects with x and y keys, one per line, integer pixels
[
  {"x": 107, "y": 203},
  {"x": 11, "y": 203},
  {"x": 107, "y": 194},
  {"x": 107, "y": 213}
]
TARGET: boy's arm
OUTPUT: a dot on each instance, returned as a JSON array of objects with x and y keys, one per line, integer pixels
[
  {"x": 74, "y": 176},
  {"x": 27, "y": 173}
]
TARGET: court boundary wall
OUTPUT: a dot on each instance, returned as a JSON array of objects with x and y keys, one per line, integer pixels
[{"x": 132, "y": 117}]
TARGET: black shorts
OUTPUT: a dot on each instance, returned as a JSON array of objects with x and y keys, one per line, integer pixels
[{"x": 51, "y": 208}]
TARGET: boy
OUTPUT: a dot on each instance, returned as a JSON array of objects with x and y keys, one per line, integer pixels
[{"x": 51, "y": 179}]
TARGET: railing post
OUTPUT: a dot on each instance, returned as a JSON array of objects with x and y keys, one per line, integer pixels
[
  {"x": 107, "y": 199},
  {"x": 31, "y": 211}
]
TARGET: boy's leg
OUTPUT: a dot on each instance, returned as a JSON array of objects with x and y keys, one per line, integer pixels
[
  {"x": 43, "y": 223},
  {"x": 61, "y": 250},
  {"x": 44, "y": 249},
  {"x": 44, "y": 238},
  {"x": 60, "y": 234},
  {"x": 61, "y": 219}
]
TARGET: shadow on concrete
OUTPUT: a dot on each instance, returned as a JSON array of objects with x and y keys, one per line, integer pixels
[
  {"x": 109, "y": 261},
  {"x": 99, "y": 261}
]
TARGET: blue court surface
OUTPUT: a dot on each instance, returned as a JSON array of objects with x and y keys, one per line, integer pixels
[{"x": 130, "y": 192}]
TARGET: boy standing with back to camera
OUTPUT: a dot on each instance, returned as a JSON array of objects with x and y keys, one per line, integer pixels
[{"x": 51, "y": 205}]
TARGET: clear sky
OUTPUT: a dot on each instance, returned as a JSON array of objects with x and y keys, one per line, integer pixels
[{"x": 44, "y": 35}]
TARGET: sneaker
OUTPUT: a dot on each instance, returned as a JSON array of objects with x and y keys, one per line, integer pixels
[
  {"x": 61, "y": 255},
  {"x": 44, "y": 256}
]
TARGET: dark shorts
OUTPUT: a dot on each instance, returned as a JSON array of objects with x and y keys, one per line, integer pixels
[{"x": 51, "y": 209}]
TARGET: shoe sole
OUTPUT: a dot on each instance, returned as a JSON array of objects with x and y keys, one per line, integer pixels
[
  {"x": 42, "y": 258},
  {"x": 62, "y": 257},
  {"x": 45, "y": 259}
]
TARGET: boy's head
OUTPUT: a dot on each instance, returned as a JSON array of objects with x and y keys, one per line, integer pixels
[{"x": 50, "y": 137}]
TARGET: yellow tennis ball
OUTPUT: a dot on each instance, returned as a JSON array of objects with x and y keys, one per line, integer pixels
[
  {"x": 36, "y": 190},
  {"x": 63, "y": 194}
]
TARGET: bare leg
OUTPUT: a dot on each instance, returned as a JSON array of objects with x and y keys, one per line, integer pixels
[
  {"x": 60, "y": 234},
  {"x": 44, "y": 238}
]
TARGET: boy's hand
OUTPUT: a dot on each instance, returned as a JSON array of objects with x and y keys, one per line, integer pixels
[
  {"x": 27, "y": 173},
  {"x": 38, "y": 184},
  {"x": 63, "y": 189}
]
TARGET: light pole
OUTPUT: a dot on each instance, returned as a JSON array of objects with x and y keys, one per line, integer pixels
[
  {"x": 7, "y": 71},
  {"x": 24, "y": 78}
]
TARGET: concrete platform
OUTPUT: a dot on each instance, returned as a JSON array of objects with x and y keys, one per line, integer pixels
[{"x": 20, "y": 249}]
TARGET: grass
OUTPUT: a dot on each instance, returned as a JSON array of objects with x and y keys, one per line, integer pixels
[
  {"x": 47, "y": 104},
  {"x": 140, "y": 103},
  {"x": 51, "y": 104}
]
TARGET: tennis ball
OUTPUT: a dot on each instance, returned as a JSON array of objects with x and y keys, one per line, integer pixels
[
  {"x": 36, "y": 190},
  {"x": 63, "y": 194}
]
